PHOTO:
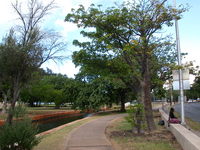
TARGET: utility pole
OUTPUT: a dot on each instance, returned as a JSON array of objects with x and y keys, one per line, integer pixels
[
  {"x": 180, "y": 70},
  {"x": 171, "y": 92}
]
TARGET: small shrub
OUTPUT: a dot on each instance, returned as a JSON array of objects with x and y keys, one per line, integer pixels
[
  {"x": 21, "y": 134},
  {"x": 136, "y": 117},
  {"x": 19, "y": 111},
  {"x": 18, "y": 136}
]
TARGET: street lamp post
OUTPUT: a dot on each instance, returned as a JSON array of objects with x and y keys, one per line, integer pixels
[{"x": 180, "y": 70}]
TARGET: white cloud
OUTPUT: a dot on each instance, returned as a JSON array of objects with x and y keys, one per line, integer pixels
[
  {"x": 66, "y": 26},
  {"x": 7, "y": 16},
  {"x": 67, "y": 68}
]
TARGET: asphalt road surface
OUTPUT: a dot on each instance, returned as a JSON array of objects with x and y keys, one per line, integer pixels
[{"x": 192, "y": 110}]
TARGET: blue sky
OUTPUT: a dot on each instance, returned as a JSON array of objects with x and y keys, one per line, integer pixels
[{"x": 189, "y": 28}]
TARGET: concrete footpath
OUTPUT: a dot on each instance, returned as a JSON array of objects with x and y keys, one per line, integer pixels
[{"x": 91, "y": 136}]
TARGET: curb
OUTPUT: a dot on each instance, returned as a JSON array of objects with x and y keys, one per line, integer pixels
[{"x": 187, "y": 139}]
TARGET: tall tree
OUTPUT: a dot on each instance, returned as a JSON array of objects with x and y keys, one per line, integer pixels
[
  {"x": 194, "y": 92},
  {"x": 130, "y": 30},
  {"x": 101, "y": 66},
  {"x": 28, "y": 46}
]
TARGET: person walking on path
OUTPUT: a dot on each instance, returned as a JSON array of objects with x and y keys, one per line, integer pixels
[{"x": 91, "y": 136}]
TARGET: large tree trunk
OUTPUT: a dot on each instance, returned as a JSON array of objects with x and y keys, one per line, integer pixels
[
  {"x": 122, "y": 101},
  {"x": 31, "y": 104},
  {"x": 122, "y": 108},
  {"x": 15, "y": 96},
  {"x": 146, "y": 99}
]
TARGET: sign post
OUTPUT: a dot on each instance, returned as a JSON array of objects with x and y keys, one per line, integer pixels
[{"x": 180, "y": 70}]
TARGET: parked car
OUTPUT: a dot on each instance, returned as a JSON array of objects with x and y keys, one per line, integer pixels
[{"x": 190, "y": 101}]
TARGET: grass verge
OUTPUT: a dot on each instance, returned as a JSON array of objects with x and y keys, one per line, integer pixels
[
  {"x": 119, "y": 131},
  {"x": 194, "y": 125}
]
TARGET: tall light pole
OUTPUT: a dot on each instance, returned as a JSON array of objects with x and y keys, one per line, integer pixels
[{"x": 180, "y": 70}]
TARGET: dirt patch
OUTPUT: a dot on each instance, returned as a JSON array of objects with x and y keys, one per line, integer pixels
[{"x": 123, "y": 139}]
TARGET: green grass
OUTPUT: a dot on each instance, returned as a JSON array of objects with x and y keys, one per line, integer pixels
[
  {"x": 193, "y": 124},
  {"x": 124, "y": 125}
]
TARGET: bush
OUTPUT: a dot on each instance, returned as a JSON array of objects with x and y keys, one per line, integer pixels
[
  {"x": 20, "y": 111},
  {"x": 18, "y": 136},
  {"x": 21, "y": 134},
  {"x": 136, "y": 117}
]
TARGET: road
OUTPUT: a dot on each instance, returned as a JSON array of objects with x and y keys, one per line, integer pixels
[{"x": 192, "y": 110}]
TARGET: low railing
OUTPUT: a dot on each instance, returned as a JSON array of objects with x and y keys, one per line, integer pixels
[
  {"x": 1, "y": 122},
  {"x": 51, "y": 117},
  {"x": 55, "y": 116}
]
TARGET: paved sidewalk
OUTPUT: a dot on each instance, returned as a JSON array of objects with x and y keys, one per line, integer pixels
[{"x": 91, "y": 136}]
